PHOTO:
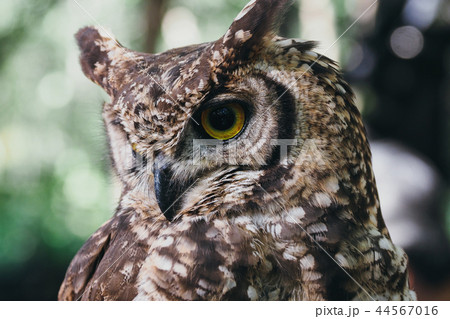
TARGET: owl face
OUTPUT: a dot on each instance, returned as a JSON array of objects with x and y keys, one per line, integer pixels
[{"x": 234, "y": 120}]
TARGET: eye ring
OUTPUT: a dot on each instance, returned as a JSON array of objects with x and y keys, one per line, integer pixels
[{"x": 224, "y": 121}]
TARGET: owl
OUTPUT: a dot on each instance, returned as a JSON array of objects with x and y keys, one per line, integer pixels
[{"x": 245, "y": 172}]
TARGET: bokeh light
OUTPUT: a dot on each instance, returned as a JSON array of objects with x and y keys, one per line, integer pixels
[
  {"x": 407, "y": 42},
  {"x": 421, "y": 13},
  {"x": 179, "y": 28}
]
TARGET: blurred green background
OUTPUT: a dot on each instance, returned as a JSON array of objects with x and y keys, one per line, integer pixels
[{"x": 55, "y": 183}]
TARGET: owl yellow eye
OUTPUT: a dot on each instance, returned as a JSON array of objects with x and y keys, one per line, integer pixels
[{"x": 223, "y": 122}]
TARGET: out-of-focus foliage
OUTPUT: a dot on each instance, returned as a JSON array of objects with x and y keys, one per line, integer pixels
[
  {"x": 195, "y": 21},
  {"x": 55, "y": 189}
]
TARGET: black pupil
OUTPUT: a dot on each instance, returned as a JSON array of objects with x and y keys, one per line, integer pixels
[{"x": 222, "y": 118}]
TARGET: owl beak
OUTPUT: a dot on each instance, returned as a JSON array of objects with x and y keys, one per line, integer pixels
[{"x": 167, "y": 199}]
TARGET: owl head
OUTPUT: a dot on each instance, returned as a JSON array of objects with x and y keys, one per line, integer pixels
[{"x": 252, "y": 122}]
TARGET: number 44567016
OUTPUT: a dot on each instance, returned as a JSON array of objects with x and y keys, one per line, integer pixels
[{"x": 408, "y": 310}]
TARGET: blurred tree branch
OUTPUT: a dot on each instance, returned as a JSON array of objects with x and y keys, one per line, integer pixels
[{"x": 155, "y": 11}]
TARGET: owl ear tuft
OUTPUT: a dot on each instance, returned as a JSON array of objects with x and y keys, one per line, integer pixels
[
  {"x": 100, "y": 54},
  {"x": 258, "y": 21}
]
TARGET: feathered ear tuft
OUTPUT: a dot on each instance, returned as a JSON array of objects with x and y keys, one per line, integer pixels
[
  {"x": 258, "y": 21},
  {"x": 100, "y": 54}
]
